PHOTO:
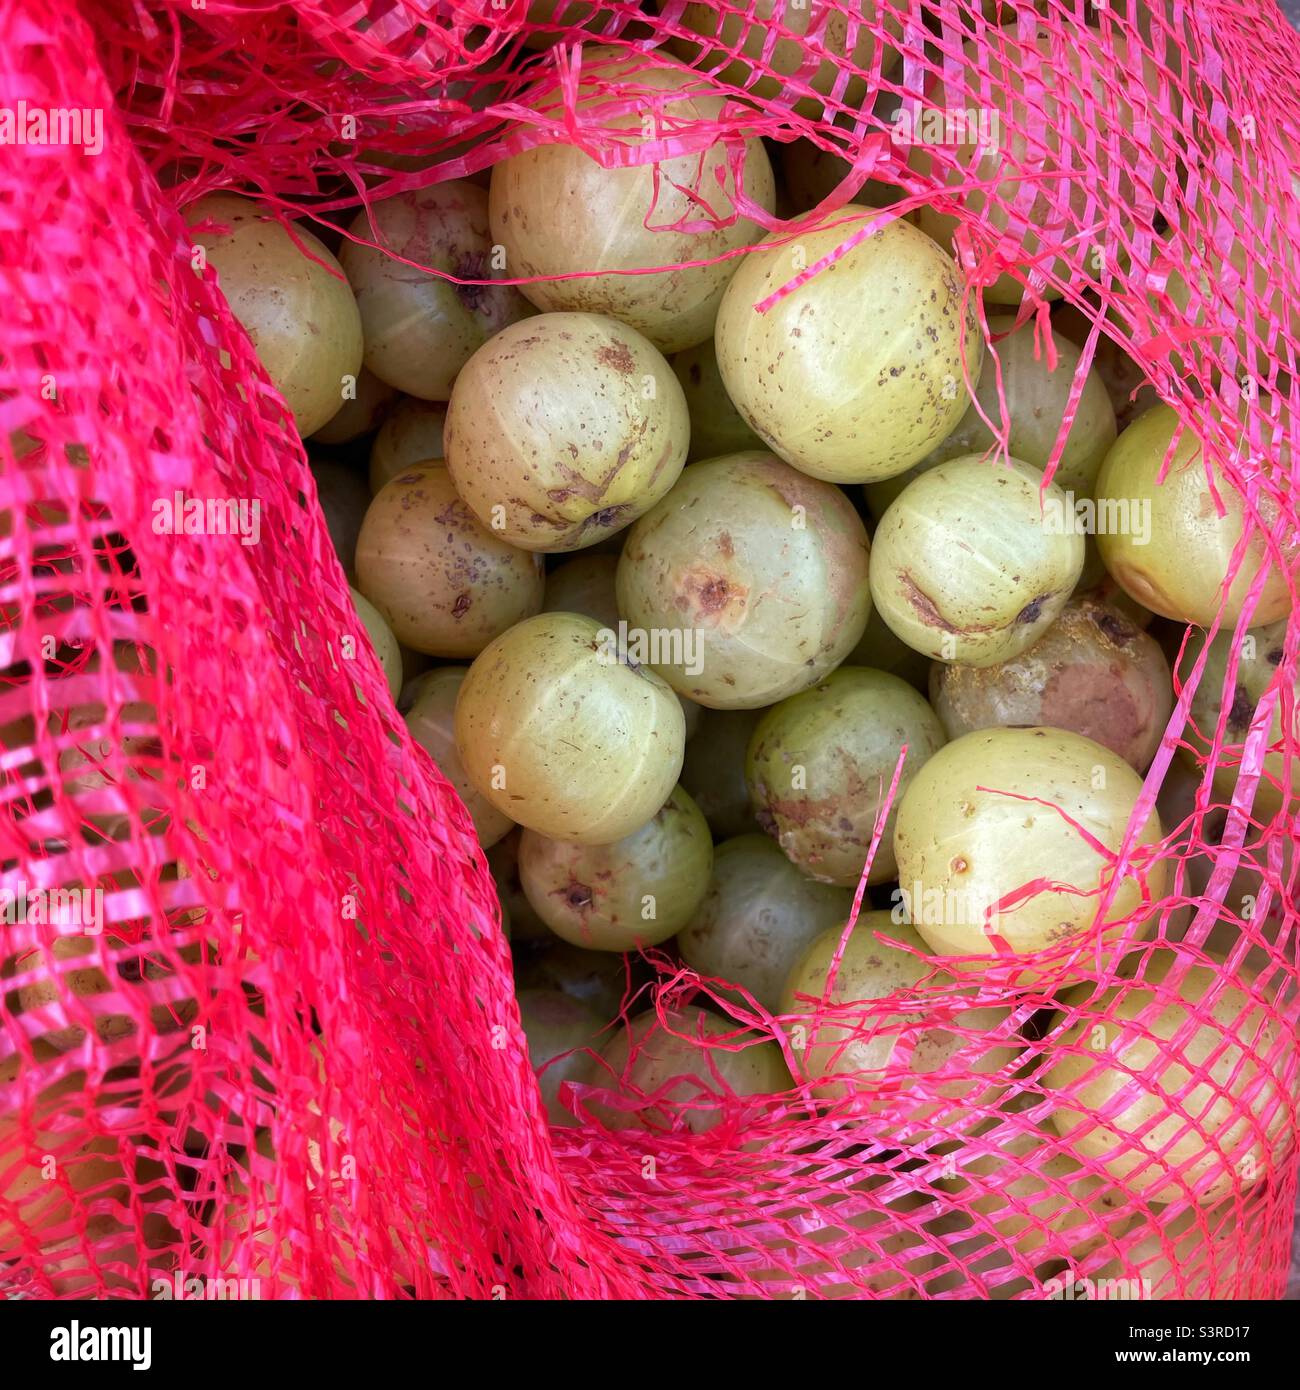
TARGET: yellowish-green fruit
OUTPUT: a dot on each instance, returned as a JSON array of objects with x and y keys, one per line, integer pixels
[
  {"x": 736, "y": 42},
  {"x": 1092, "y": 672},
  {"x": 1006, "y": 841},
  {"x": 431, "y": 718},
  {"x": 565, "y": 428},
  {"x": 1030, "y": 1197},
  {"x": 678, "y": 1076},
  {"x": 559, "y": 1029},
  {"x": 556, "y": 211},
  {"x": 411, "y": 433},
  {"x": 1166, "y": 543},
  {"x": 1259, "y": 655},
  {"x": 844, "y": 1051},
  {"x": 747, "y": 583},
  {"x": 420, "y": 328},
  {"x": 857, "y": 374},
  {"x": 820, "y": 766},
  {"x": 1201, "y": 1253},
  {"x": 757, "y": 916},
  {"x": 359, "y": 413},
  {"x": 714, "y": 770},
  {"x": 381, "y": 639},
  {"x": 881, "y": 650},
  {"x": 1022, "y": 99},
  {"x": 1170, "y": 1081},
  {"x": 637, "y": 891},
  {"x": 564, "y": 737},
  {"x": 1036, "y": 398},
  {"x": 446, "y": 584},
  {"x": 974, "y": 561},
  {"x": 716, "y": 425},
  {"x": 291, "y": 296},
  {"x": 585, "y": 585}
]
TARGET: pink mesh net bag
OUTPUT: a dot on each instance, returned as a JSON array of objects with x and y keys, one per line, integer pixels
[{"x": 257, "y": 1017}]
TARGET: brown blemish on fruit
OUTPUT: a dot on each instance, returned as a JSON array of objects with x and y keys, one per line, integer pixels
[
  {"x": 1242, "y": 710},
  {"x": 461, "y": 606},
  {"x": 924, "y": 604},
  {"x": 958, "y": 865},
  {"x": 576, "y": 896},
  {"x": 1033, "y": 610},
  {"x": 618, "y": 356}
]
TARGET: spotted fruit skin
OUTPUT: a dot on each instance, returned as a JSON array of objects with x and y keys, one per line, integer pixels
[
  {"x": 563, "y": 737},
  {"x": 1005, "y": 841},
  {"x": 762, "y": 566},
  {"x": 975, "y": 560},
  {"x": 820, "y": 765},
  {"x": 563, "y": 429},
  {"x": 638, "y": 891}
]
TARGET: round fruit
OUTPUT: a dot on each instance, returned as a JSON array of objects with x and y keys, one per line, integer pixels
[
  {"x": 344, "y": 498},
  {"x": 1199, "y": 1254},
  {"x": 564, "y": 737},
  {"x": 558, "y": 212},
  {"x": 431, "y": 719},
  {"x": 1005, "y": 844},
  {"x": 716, "y": 425},
  {"x": 445, "y": 584},
  {"x": 835, "y": 400},
  {"x": 967, "y": 565},
  {"x": 679, "y": 1066},
  {"x": 1259, "y": 653},
  {"x": 1166, "y": 543},
  {"x": 756, "y": 918},
  {"x": 292, "y": 299},
  {"x": 1030, "y": 88},
  {"x": 412, "y": 433},
  {"x": 559, "y": 1028},
  {"x": 842, "y": 1050},
  {"x": 381, "y": 639},
  {"x": 565, "y": 428},
  {"x": 359, "y": 413},
  {"x": 820, "y": 765},
  {"x": 420, "y": 328},
  {"x": 1092, "y": 672},
  {"x": 843, "y": 41},
  {"x": 636, "y": 892},
  {"x": 714, "y": 770},
  {"x": 1170, "y": 1084},
  {"x": 1036, "y": 398},
  {"x": 585, "y": 585},
  {"x": 748, "y": 582}
]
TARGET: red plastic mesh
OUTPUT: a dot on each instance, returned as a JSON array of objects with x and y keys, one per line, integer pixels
[{"x": 293, "y": 1052}]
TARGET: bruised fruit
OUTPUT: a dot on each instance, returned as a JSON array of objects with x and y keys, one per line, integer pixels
[
  {"x": 566, "y": 738},
  {"x": 1006, "y": 842},
  {"x": 967, "y": 565},
  {"x": 820, "y": 766},
  {"x": 445, "y": 584},
  {"x": 564, "y": 429},
  {"x": 838, "y": 402},
  {"x": 431, "y": 718},
  {"x": 747, "y": 583},
  {"x": 559, "y": 1029},
  {"x": 420, "y": 328},
  {"x": 637, "y": 891},
  {"x": 755, "y": 919},
  {"x": 557, "y": 212},
  {"x": 1166, "y": 543},
  {"x": 292, "y": 298},
  {"x": 676, "y": 1075},
  {"x": 1092, "y": 672}
]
